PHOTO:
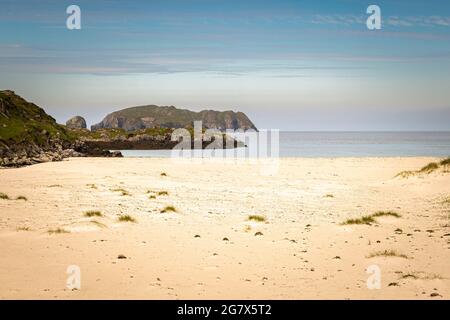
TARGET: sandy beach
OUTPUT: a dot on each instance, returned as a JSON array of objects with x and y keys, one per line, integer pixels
[{"x": 208, "y": 248}]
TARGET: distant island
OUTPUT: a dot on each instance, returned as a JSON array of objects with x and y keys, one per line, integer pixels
[
  {"x": 28, "y": 135},
  {"x": 152, "y": 116}
]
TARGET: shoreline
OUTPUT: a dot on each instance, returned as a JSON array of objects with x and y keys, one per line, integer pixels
[{"x": 209, "y": 248}]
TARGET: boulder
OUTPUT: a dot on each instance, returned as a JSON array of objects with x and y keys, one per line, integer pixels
[{"x": 76, "y": 123}]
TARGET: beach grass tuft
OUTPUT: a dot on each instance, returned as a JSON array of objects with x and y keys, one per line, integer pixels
[
  {"x": 163, "y": 174},
  {"x": 92, "y": 186},
  {"x": 387, "y": 253},
  {"x": 386, "y": 214},
  {"x": 371, "y": 218},
  {"x": 256, "y": 218},
  {"x": 405, "y": 174},
  {"x": 93, "y": 213},
  {"x": 162, "y": 193},
  {"x": 430, "y": 167},
  {"x": 362, "y": 220},
  {"x": 169, "y": 209},
  {"x": 126, "y": 218},
  {"x": 23, "y": 229},
  {"x": 445, "y": 162},
  {"x": 57, "y": 231},
  {"x": 421, "y": 275},
  {"x": 122, "y": 191},
  {"x": 4, "y": 196},
  {"x": 22, "y": 198},
  {"x": 409, "y": 276}
]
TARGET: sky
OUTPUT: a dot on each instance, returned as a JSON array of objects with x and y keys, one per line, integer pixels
[{"x": 288, "y": 64}]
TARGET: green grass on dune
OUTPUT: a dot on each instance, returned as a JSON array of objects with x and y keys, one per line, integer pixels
[
  {"x": 386, "y": 214},
  {"x": 429, "y": 168},
  {"x": 57, "y": 231},
  {"x": 256, "y": 218},
  {"x": 126, "y": 218},
  {"x": 169, "y": 209},
  {"x": 93, "y": 213},
  {"x": 4, "y": 196},
  {"x": 368, "y": 219},
  {"x": 445, "y": 162},
  {"x": 387, "y": 253}
]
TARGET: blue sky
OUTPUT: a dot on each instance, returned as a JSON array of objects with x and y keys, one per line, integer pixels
[{"x": 292, "y": 65}]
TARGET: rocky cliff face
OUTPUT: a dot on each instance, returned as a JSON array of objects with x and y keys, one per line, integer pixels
[
  {"x": 152, "y": 116},
  {"x": 76, "y": 122}
]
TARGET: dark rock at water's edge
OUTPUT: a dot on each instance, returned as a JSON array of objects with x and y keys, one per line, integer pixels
[
  {"x": 28, "y": 135},
  {"x": 148, "y": 139},
  {"x": 152, "y": 116},
  {"x": 76, "y": 122}
]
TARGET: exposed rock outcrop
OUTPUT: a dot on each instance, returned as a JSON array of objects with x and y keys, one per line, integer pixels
[
  {"x": 152, "y": 116},
  {"x": 150, "y": 139},
  {"x": 76, "y": 122}
]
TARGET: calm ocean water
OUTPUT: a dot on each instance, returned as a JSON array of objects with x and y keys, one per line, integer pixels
[{"x": 348, "y": 144}]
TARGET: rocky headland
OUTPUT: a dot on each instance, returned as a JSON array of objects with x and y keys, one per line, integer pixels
[{"x": 28, "y": 135}]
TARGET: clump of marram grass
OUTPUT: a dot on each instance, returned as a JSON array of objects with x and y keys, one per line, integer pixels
[
  {"x": 329, "y": 195},
  {"x": 122, "y": 191},
  {"x": 371, "y": 218},
  {"x": 23, "y": 229},
  {"x": 57, "y": 231},
  {"x": 362, "y": 220},
  {"x": 387, "y": 253},
  {"x": 126, "y": 218},
  {"x": 153, "y": 194},
  {"x": 430, "y": 167},
  {"x": 92, "y": 186},
  {"x": 386, "y": 214},
  {"x": 93, "y": 213},
  {"x": 257, "y": 218},
  {"x": 22, "y": 198},
  {"x": 169, "y": 209},
  {"x": 445, "y": 162},
  {"x": 409, "y": 276},
  {"x": 4, "y": 196},
  {"x": 420, "y": 275},
  {"x": 163, "y": 174},
  {"x": 405, "y": 174}
]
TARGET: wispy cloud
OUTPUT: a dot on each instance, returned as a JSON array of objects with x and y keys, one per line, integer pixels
[
  {"x": 338, "y": 19},
  {"x": 425, "y": 21},
  {"x": 393, "y": 20}
]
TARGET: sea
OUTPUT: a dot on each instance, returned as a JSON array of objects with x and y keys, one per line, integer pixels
[{"x": 339, "y": 144}]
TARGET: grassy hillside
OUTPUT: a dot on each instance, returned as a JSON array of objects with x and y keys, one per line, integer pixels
[{"x": 22, "y": 121}]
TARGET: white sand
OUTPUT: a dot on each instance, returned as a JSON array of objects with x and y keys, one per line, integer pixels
[{"x": 295, "y": 258}]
